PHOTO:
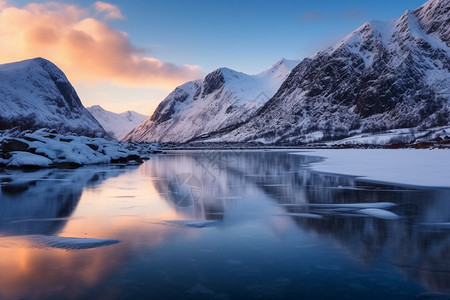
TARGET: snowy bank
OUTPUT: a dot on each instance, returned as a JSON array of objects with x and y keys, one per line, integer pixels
[
  {"x": 45, "y": 148},
  {"x": 430, "y": 168}
]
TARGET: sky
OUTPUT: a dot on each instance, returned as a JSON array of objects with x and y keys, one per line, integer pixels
[{"x": 129, "y": 55}]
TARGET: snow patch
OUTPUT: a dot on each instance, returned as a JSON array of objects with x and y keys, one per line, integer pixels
[
  {"x": 19, "y": 159},
  {"x": 416, "y": 167}
]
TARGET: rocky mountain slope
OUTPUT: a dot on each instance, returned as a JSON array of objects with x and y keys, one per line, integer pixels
[
  {"x": 391, "y": 74},
  {"x": 36, "y": 94},
  {"x": 118, "y": 125},
  {"x": 222, "y": 100}
]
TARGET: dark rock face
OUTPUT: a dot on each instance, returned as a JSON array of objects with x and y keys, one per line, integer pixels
[
  {"x": 375, "y": 79},
  {"x": 68, "y": 93},
  {"x": 13, "y": 145},
  {"x": 213, "y": 82},
  {"x": 166, "y": 109}
]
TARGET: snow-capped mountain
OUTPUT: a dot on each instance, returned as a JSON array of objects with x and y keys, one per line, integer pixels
[
  {"x": 390, "y": 74},
  {"x": 118, "y": 125},
  {"x": 222, "y": 100},
  {"x": 35, "y": 94}
]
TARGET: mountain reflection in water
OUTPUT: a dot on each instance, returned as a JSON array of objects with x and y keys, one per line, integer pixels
[{"x": 221, "y": 224}]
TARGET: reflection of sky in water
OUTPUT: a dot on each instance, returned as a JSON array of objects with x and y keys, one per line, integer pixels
[{"x": 249, "y": 232}]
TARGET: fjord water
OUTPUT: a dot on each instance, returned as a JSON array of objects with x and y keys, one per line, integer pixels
[{"x": 220, "y": 225}]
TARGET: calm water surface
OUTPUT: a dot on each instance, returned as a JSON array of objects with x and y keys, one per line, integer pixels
[{"x": 220, "y": 225}]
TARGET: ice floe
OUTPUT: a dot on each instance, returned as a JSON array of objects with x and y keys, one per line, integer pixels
[
  {"x": 345, "y": 205},
  {"x": 72, "y": 243},
  {"x": 300, "y": 215},
  {"x": 379, "y": 213},
  {"x": 192, "y": 223}
]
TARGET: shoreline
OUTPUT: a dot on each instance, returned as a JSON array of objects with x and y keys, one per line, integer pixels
[{"x": 421, "y": 168}]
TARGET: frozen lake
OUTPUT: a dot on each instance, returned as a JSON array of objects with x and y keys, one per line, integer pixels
[{"x": 220, "y": 225}]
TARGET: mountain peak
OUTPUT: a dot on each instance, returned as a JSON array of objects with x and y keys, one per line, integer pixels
[
  {"x": 434, "y": 19},
  {"x": 47, "y": 65},
  {"x": 97, "y": 107},
  {"x": 214, "y": 81},
  {"x": 118, "y": 125},
  {"x": 230, "y": 74},
  {"x": 280, "y": 69},
  {"x": 35, "y": 93},
  {"x": 290, "y": 64},
  {"x": 284, "y": 63},
  {"x": 41, "y": 60}
]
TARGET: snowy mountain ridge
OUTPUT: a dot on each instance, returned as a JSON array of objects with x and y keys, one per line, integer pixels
[
  {"x": 118, "y": 125},
  {"x": 36, "y": 94},
  {"x": 223, "y": 99},
  {"x": 384, "y": 75}
]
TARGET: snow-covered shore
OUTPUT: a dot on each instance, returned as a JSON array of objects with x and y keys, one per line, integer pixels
[
  {"x": 424, "y": 167},
  {"x": 45, "y": 148}
]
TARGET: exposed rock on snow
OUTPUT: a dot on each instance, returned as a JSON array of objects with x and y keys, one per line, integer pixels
[
  {"x": 118, "y": 125},
  {"x": 36, "y": 94},
  {"x": 45, "y": 148},
  {"x": 223, "y": 100}
]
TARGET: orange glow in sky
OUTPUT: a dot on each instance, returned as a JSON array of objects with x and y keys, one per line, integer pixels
[{"x": 98, "y": 59}]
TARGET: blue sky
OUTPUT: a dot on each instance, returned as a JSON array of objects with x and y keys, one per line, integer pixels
[{"x": 247, "y": 36}]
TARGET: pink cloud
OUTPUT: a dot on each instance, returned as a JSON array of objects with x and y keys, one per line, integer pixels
[
  {"x": 3, "y": 4},
  {"x": 109, "y": 10},
  {"x": 87, "y": 49}
]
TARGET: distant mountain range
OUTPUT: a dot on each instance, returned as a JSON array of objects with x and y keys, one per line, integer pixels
[
  {"x": 118, "y": 125},
  {"x": 384, "y": 75},
  {"x": 35, "y": 94},
  {"x": 222, "y": 100}
]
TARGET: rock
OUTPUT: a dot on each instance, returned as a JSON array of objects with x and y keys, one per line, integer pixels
[
  {"x": 14, "y": 145},
  {"x": 92, "y": 146}
]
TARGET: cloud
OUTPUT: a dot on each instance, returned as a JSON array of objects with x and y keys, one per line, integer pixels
[
  {"x": 3, "y": 4},
  {"x": 109, "y": 10},
  {"x": 355, "y": 14},
  {"x": 88, "y": 50},
  {"x": 311, "y": 15}
]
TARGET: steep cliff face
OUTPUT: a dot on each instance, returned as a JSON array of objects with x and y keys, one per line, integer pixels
[
  {"x": 222, "y": 100},
  {"x": 35, "y": 94},
  {"x": 383, "y": 75}
]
